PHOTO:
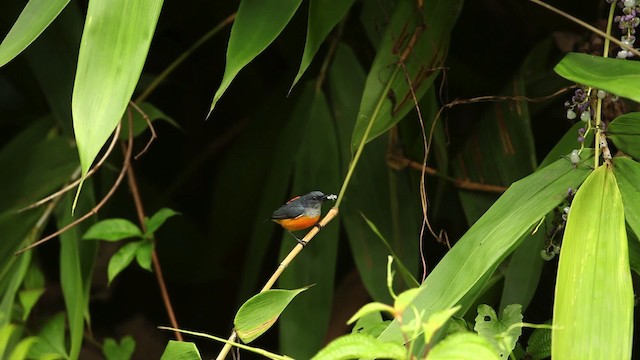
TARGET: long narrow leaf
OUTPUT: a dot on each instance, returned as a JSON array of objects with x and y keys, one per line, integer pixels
[
  {"x": 627, "y": 174},
  {"x": 257, "y": 24},
  {"x": 492, "y": 238},
  {"x": 115, "y": 42},
  {"x": 602, "y": 73},
  {"x": 413, "y": 48},
  {"x": 35, "y": 17},
  {"x": 593, "y": 307},
  {"x": 323, "y": 16}
]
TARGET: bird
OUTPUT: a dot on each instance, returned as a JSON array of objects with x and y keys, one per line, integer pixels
[{"x": 301, "y": 212}]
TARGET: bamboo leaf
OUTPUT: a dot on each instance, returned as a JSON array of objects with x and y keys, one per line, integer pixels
[
  {"x": 115, "y": 42},
  {"x": 414, "y": 46},
  {"x": 34, "y": 18},
  {"x": 257, "y": 24},
  {"x": 602, "y": 73},
  {"x": 492, "y": 238},
  {"x": 625, "y": 133},
  {"x": 593, "y": 306},
  {"x": 627, "y": 174},
  {"x": 77, "y": 259},
  {"x": 323, "y": 16},
  {"x": 259, "y": 313}
]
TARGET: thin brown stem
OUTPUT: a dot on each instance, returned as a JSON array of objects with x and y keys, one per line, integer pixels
[
  {"x": 137, "y": 200},
  {"x": 77, "y": 173},
  {"x": 126, "y": 163},
  {"x": 153, "y": 130}
]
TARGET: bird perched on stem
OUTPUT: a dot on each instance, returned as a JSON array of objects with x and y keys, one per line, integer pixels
[{"x": 301, "y": 212}]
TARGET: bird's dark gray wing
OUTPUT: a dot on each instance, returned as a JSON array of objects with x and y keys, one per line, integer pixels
[{"x": 288, "y": 211}]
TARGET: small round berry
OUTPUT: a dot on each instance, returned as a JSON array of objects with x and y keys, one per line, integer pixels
[
  {"x": 622, "y": 54},
  {"x": 585, "y": 116},
  {"x": 601, "y": 94},
  {"x": 571, "y": 114}
]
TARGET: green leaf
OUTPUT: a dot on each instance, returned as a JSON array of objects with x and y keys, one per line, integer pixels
[
  {"x": 260, "y": 312},
  {"x": 139, "y": 122},
  {"x": 15, "y": 270},
  {"x": 180, "y": 350},
  {"x": 115, "y": 42},
  {"x": 123, "y": 351},
  {"x": 6, "y": 331},
  {"x": 77, "y": 259},
  {"x": 28, "y": 299},
  {"x": 370, "y": 308},
  {"x": 414, "y": 45},
  {"x": 257, "y": 24},
  {"x": 34, "y": 18},
  {"x": 625, "y": 133},
  {"x": 492, "y": 238},
  {"x": 143, "y": 254},
  {"x": 323, "y": 16},
  {"x": 437, "y": 321},
  {"x": 370, "y": 324},
  {"x": 50, "y": 342},
  {"x": 462, "y": 346},
  {"x": 404, "y": 272},
  {"x": 627, "y": 174},
  {"x": 113, "y": 230},
  {"x": 539, "y": 345},
  {"x": 593, "y": 307},
  {"x": 616, "y": 76},
  {"x": 121, "y": 259},
  {"x": 523, "y": 272},
  {"x": 158, "y": 219},
  {"x": 495, "y": 331},
  {"x": 22, "y": 349},
  {"x": 356, "y": 346}
]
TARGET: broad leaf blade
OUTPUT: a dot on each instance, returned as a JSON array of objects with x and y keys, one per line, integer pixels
[
  {"x": 115, "y": 42},
  {"x": 593, "y": 306},
  {"x": 323, "y": 16},
  {"x": 357, "y": 346},
  {"x": 602, "y": 73},
  {"x": 257, "y": 24},
  {"x": 627, "y": 174},
  {"x": 260, "y": 312},
  {"x": 35, "y": 17},
  {"x": 158, "y": 219},
  {"x": 414, "y": 46},
  {"x": 462, "y": 346},
  {"x": 494, "y": 329},
  {"x": 113, "y": 230},
  {"x": 625, "y": 133},
  {"x": 492, "y": 238},
  {"x": 121, "y": 259},
  {"x": 180, "y": 350}
]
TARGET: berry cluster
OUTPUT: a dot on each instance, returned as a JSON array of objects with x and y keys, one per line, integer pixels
[{"x": 627, "y": 22}]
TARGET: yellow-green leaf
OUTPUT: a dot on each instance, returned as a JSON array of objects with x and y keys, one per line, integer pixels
[
  {"x": 34, "y": 18},
  {"x": 115, "y": 42},
  {"x": 593, "y": 308},
  {"x": 260, "y": 312}
]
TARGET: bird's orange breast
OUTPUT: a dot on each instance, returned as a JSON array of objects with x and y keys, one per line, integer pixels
[{"x": 299, "y": 223}]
